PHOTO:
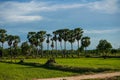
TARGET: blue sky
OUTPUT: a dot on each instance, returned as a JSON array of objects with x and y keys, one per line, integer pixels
[{"x": 100, "y": 19}]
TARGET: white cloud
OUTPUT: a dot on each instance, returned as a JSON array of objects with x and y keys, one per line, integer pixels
[
  {"x": 30, "y": 11},
  {"x": 101, "y": 31},
  {"x": 105, "y": 6},
  {"x": 17, "y": 18},
  {"x": 19, "y": 12}
]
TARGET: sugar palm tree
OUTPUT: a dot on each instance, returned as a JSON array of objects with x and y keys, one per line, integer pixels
[
  {"x": 71, "y": 38},
  {"x": 10, "y": 39},
  {"x": 55, "y": 38},
  {"x": 59, "y": 32},
  {"x": 60, "y": 40},
  {"x": 52, "y": 44},
  {"x": 31, "y": 36},
  {"x": 48, "y": 40},
  {"x": 41, "y": 37},
  {"x": 16, "y": 41},
  {"x": 78, "y": 34},
  {"x": 85, "y": 42},
  {"x": 3, "y": 36},
  {"x": 32, "y": 39},
  {"x": 15, "y": 45},
  {"x": 65, "y": 36}
]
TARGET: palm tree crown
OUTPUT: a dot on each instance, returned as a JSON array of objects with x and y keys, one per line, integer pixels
[
  {"x": 85, "y": 41},
  {"x": 3, "y": 36}
]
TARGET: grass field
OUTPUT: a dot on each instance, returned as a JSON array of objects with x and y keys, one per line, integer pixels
[
  {"x": 92, "y": 62},
  {"x": 25, "y": 72},
  {"x": 113, "y": 63},
  {"x": 21, "y": 72}
]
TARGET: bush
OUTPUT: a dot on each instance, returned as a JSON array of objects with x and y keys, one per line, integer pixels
[
  {"x": 51, "y": 61},
  {"x": 21, "y": 61}
]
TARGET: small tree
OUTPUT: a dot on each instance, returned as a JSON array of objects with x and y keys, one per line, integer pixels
[
  {"x": 10, "y": 39},
  {"x": 104, "y": 47},
  {"x": 25, "y": 49},
  {"x": 15, "y": 45}
]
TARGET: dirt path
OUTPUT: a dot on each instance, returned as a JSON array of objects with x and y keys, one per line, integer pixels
[{"x": 90, "y": 76}]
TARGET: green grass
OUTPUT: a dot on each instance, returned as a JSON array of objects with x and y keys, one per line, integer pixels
[
  {"x": 26, "y": 72},
  {"x": 21, "y": 72},
  {"x": 113, "y": 63}
]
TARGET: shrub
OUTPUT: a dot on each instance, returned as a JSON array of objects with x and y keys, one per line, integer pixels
[{"x": 51, "y": 61}]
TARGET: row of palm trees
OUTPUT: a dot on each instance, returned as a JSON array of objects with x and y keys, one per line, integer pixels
[
  {"x": 12, "y": 41},
  {"x": 36, "y": 39}
]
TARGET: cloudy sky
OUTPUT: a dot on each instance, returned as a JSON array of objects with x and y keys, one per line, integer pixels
[{"x": 100, "y": 19}]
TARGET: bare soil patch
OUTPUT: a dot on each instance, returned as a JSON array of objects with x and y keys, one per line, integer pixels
[{"x": 90, "y": 76}]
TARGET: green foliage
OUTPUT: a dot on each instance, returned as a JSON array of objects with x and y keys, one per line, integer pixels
[
  {"x": 85, "y": 41},
  {"x": 3, "y": 36},
  {"x": 25, "y": 48},
  {"x": 104, "y": 46},
  {"x": 34, "y": 47},
  {"x": 78, "y": 34}
]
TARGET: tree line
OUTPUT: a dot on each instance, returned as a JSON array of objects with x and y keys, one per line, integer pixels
[{"x": 34, "y": 45}]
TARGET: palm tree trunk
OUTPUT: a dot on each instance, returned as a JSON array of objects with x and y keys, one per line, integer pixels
[
  {"x": 56, "y": 44},
  {"x": 48, "y": 49},
  {"x": 52, "y": 52},
  {"x": 2, "y": 45},
  {"x": 61, "y": 48},
  {"x": 42, "y": 49},
  {"x": 15, "y": 55},
  {"x": 78, "y": 48},
  {"x": 64, "y": 52},
  {"x": 47, "y": 46},
  {"x": 61, "y": 45},
  {"x": 65, "y": 45},
  {"x": 78, "y": 44},
  {"x": 71, "y": 46},
  {"x": 11, "y": 53},
  {"x": 36, "y": 51},
  {"x": 85, "y": 50},
  {"x": 2, "y": 52}
]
